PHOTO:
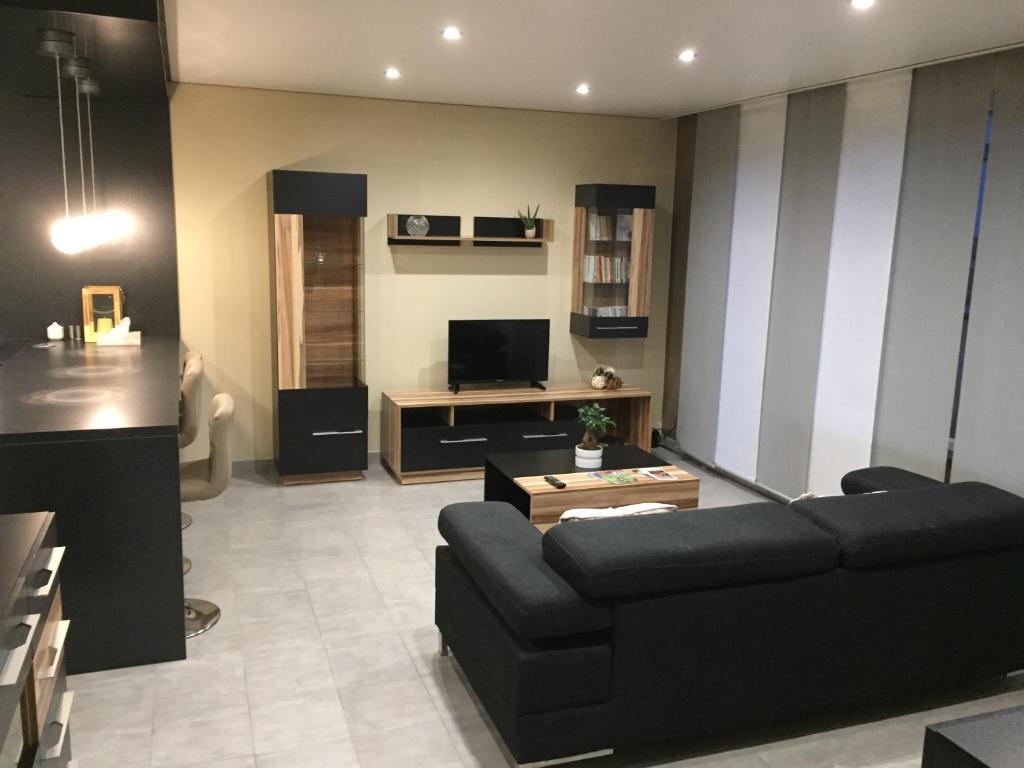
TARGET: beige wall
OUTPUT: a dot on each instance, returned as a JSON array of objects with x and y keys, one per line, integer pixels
[{"x": 419, "y": 158}]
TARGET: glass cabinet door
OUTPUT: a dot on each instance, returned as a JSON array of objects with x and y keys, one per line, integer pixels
[{"x": 605, "y": 268}]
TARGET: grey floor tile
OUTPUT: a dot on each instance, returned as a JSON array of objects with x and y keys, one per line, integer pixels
[
  {"x": 374, "y": 657},
  {"x": 424, "y": 746},
  {"x": 478, "y": 744},
  {"x": 198, "y": 736},
  {"x": 298, "y": 718},
  {"x": 340, "y": 753},
  {"x": 277, "y": 674},
  {"x": 202, "y": 683},
  {"x": 371, "y": 709}
]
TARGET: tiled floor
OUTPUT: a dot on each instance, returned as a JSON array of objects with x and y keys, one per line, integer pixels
[{"x": 327, "y": 656}]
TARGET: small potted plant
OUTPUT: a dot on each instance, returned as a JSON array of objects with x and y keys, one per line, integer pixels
[
  {"x": 596, "y": 422},
  {"x": 529, "y": 221}
]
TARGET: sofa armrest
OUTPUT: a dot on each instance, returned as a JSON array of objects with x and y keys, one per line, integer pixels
[
  {"x": 874, "y": 479},
  {"x": 502, "y": 551}
]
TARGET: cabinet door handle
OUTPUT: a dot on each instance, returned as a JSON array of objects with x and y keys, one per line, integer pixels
[
  {"x": 618, "y": 327},
  {"x": 44, "y": 577},
  {"x": 537, "y": 437},
  {"x": 331, "y": 432},
  {"x": 56, "y": 650},
  {"x": 464, "y": 440}
]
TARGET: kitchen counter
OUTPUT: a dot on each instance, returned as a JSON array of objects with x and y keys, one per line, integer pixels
[
  {"x": 90, "y": 433},
  {"x": 47, "y": 392}
]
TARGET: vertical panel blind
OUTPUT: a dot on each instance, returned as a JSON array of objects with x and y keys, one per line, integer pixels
[
  {"x": 863, "y": 228},
  {"x": 990, "y": 433},
  {"x": 810, "y": 165},
  {"x": 714, "y": 177},
  {"x": 945, "y": 139},
  {"x": 831, "y": 240},
  {"x": 752, "y": 257}
]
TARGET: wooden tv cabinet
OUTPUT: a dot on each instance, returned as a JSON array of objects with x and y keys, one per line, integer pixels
[{"x": 429, "y": 436}]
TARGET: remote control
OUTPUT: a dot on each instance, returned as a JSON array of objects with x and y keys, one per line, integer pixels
[{"x": 554, "y": 481}]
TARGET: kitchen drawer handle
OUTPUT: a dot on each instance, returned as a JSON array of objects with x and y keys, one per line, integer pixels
[
  {"x": 57, "y": 729},
  {"x": 18, "y": 642},
  {"x": 618, "y": 327},
  {"x": 464, "y": 440},
  {"x": 56, "y": 650},
  {"x": 537, "y": 437},
  {"x": 331, "y": 432},
  {"x": 47, "y": 575}
]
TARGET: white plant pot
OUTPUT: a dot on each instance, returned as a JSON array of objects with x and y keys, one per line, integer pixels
[
  {"x": 531, "y": 233},
  {"x": 589, "y": 459}
]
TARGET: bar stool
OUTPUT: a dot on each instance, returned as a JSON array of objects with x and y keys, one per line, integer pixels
[
  {"x": 188, "y": 419},
  {"x": 207, "y": 479}
]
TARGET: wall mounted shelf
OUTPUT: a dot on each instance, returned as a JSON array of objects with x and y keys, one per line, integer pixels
[
  {"x": 488, "y": 231},
  {"x": 493, "y": 231},
  {"x": 444, "y": 230}
]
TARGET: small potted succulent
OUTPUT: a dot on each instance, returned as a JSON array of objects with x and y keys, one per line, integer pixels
[
  {"x": 529, "y": 221},
  {"x": 596, "y": 423}
]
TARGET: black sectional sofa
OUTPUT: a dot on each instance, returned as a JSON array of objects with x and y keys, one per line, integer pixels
[{"x": 602, "y": 634}]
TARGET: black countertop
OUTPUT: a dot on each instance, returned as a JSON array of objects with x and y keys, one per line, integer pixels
[{"x": 72, "y": 390}]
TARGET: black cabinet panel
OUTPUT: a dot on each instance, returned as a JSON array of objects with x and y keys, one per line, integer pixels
[
  {"x": 607, "y": 327},
  {"x": 321, "y": 430},
  {"x": 429, "y": 448},
  {"x": 458, "y": 447}
]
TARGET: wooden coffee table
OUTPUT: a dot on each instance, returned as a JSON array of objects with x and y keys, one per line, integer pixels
[{"x": 518, "y": 478}]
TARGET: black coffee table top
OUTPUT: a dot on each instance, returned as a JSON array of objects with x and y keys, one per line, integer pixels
[
  {"x": 994, "y": 740},
  {"x": 563, "y": 461}
]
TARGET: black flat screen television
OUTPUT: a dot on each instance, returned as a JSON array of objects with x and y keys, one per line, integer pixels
[{"x": 494, "y": 351}]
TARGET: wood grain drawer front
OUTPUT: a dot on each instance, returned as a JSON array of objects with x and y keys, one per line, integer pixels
[{"x": 426, "y": 448}]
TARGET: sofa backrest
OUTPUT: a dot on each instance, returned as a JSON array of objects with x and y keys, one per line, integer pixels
[
  {"x": 881, "y": 529},
  {"x": 688, "y": 550}
]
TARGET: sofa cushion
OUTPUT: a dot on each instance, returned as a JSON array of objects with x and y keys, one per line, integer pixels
[
  {"x": 501, "y": 550},
  {"x": 688, "y": 550},
  {"x": 919, "y": 524},
  {"x": 872, "y": 479}
]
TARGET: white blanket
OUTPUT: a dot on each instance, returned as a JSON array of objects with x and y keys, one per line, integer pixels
[{"x": 630, "y": 510}]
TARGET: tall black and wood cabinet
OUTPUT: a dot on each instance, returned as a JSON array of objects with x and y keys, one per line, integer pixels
[
  {"x": 317, "y": 235},
  {"x": 613, "y": 239}
]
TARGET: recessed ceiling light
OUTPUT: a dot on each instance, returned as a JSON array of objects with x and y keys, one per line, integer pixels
[
  {"x": 452, "y": 33},
  {"x": 687, "y": 55},
  {"x": 392, "y": 73},
  {"x": 862, "y": 5},
  {"x": 582, "y": 89}
]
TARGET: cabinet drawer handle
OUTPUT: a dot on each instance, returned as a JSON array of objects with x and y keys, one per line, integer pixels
[
  {"x": 537, "y": 437},
  {"x": 45, "y": 576},
  {"x": 17, "y": 643},
  {"x": 618, "y": 327},
  {"x": 57, "y": 729},
  {"x": 331, "y": 432},
  {"x": 464, "y": 440}
]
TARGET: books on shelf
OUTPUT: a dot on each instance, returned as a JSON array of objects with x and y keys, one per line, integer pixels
[
  {"x": 605, "y": 269},
  {"x": 616, "y": 310},
  {"x": 608, "y": 227},
  {"x": 599, "y": 227}
]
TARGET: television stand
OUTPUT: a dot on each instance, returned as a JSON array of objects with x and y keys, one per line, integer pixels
[{"x": 429, "y": 436}]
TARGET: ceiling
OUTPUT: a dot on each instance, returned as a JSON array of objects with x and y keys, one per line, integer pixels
[{"x": 533, "y": 53}]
